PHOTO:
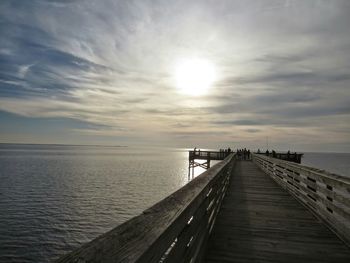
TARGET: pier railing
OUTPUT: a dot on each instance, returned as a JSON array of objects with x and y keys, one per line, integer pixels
[
  {"x": 292, "y": 157},
  {"x": 212, "y": 155},
  {"x": 326, "y": 194},
  {"x": 174, "y": 230}
]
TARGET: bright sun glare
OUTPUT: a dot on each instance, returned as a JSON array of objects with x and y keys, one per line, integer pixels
[{"x": 194, "y": 76}]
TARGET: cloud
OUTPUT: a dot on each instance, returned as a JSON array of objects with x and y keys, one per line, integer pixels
[
  {"x": 280, "y": 66},
  {"x": 252, "y": 130},
  {"x": 23, "y": 70}
]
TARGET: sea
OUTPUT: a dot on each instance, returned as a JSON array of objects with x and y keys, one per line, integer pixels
[{"x": 54, "y": 198}]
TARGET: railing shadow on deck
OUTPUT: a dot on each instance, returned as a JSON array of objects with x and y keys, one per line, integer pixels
[
  {"x": 174, "y": 230},
  {"x": 326, "y": 195}
]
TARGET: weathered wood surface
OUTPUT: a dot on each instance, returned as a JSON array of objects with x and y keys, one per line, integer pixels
[
  {"x": 173, "y": 230},
  {"x": 327, "y": 195},
  {"x": 261, "y": 222}
]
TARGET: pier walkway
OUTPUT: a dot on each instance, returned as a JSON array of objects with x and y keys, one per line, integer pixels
[{"x": 261, "y": 222}]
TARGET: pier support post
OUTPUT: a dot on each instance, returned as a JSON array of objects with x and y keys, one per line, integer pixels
[{"x": 193, "y": 164}]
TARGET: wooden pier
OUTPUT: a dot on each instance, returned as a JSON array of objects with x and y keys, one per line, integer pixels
[
  {"x": 264, "y": 210},
  {"x": 208, "y": 156}
]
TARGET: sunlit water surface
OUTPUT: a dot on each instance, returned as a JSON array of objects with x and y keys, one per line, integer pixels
[{"x": 55, "y": 198}]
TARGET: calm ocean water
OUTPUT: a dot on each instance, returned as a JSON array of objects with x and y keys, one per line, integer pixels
[
  {"x": 55, "y": 198},
  {"x": 338, "y": 163}
]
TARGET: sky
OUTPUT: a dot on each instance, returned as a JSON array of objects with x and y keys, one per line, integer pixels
[{"x": 103, "y": 72}]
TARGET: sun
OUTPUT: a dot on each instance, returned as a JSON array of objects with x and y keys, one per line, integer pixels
[{"x": 194, "y": 76}]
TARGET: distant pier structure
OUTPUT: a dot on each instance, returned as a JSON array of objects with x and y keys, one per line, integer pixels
[
  {"x": 287, "y": 156},
  {"x": 207, "y": 156}
]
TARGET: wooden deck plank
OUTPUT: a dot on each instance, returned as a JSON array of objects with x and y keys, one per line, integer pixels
[{"x": 261, "y": 222}]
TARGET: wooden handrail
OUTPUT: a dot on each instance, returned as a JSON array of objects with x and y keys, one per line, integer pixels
[
  {"x": 293, "y": 157},
  {"x": 326, "y": 194},
  {"x": 214, "y": 155},
  {"x": 174, "y": 230}
]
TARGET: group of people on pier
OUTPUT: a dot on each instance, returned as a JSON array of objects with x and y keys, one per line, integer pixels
[
  {"x": 243, "y": 154},
  {"x": 228, "y": 150},
  {"x": 272, "y": 153}
]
